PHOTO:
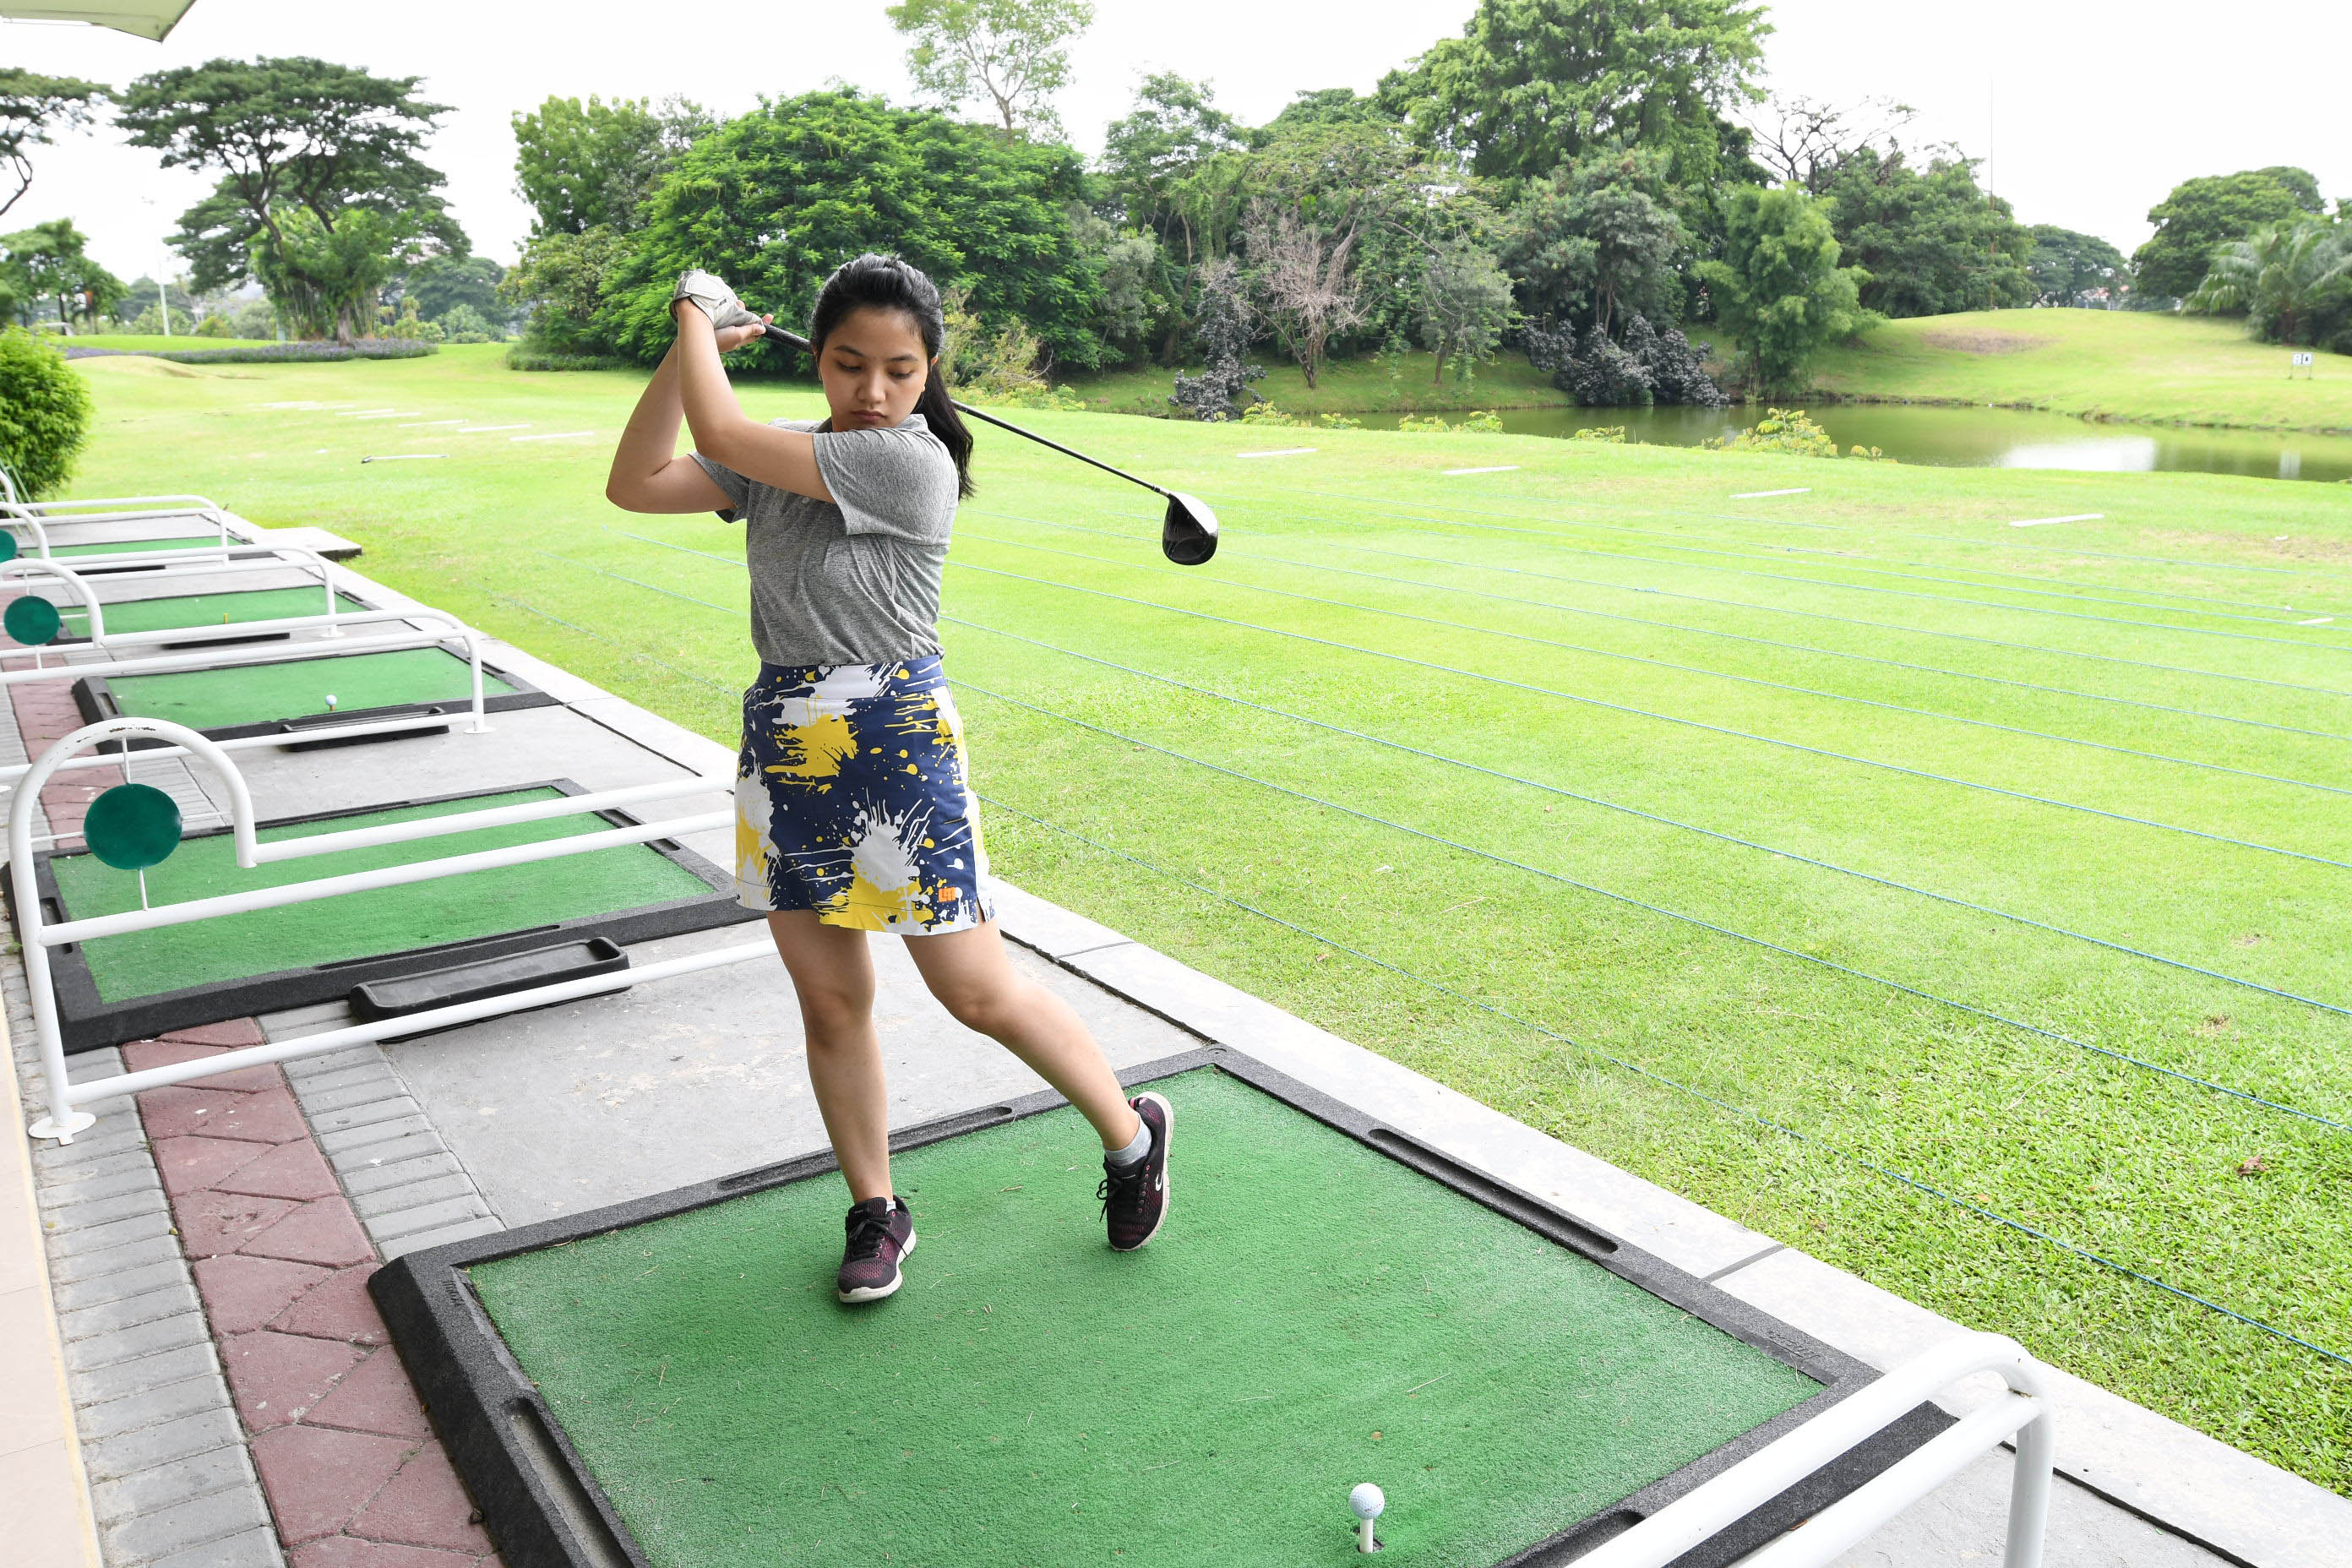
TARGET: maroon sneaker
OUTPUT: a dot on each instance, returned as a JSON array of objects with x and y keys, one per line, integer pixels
[
  {"x": 881, "y": 1232},
  {"x": 1135, "y": 1196}
]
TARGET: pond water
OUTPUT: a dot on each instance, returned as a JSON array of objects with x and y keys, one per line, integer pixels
[{"x": 1978, "y": 437}]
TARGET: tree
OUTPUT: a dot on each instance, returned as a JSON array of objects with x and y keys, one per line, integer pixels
[
  {"x": 772, "y": 201},
  {"x": 1299, "y": 273},
  {"x": 31, "y": 106},
  {"x": 2201, "y": 216},
  {"x": 50, "y": 262},
  {"x": 1216, "y": 394},
  {"x": 2069, "y": 269},
  {"x": 439, "y": 284},
  {"x": 294, "y": 135},
  {"x": 1597, "y": 234},
  {"x": 583, "y": 166},
  {"x": 2286, "y": 278},
  {"x": 1466, "y": 306},
  {"x": 1013, "y": 54},
  {"x": 1175, "y": 126},
  {"x": 45, "y": 413},
  {"x": 325, "y": 279},
  {"x": 568, "y": 286},
  {"x": 1932, "y": 242},
  {"x": 1778, "y": 286},
  {"x": 1532, "y": 84},
  {"x": 1323, "y": 106}
]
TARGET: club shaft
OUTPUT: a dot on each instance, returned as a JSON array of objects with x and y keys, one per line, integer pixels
[{"x": 794, "y": 339}]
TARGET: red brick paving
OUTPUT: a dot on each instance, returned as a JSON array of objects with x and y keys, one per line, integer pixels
[
  {"x": 353, "y": 1475},
  {"x": 46, "y": 713}
]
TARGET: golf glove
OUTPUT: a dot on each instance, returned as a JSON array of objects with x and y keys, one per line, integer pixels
[{"x": 714, "y": 299}]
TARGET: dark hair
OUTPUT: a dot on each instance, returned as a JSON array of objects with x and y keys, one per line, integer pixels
[{"x": 885, "y": 283}]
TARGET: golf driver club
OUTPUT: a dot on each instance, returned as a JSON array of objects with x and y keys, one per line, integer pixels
[{"x": 1188, "y": 534}]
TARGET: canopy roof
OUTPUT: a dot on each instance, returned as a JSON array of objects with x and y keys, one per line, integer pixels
[{"x": 146, "y": 18}]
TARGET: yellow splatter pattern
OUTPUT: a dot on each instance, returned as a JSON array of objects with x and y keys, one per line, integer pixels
[{"x": 852, "y": 799}]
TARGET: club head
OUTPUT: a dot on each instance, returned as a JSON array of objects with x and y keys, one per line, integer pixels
[{"x": 1188, "y": 535}]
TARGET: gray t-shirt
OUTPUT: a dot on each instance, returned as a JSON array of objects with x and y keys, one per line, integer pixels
[{"x": 854, "y": 580}]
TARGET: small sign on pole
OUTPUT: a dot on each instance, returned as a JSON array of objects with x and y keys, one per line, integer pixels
[{"x": 2303, "y": 362}]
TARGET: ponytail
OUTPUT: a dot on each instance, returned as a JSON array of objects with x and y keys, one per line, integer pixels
[{"x": 884, "y": 282}]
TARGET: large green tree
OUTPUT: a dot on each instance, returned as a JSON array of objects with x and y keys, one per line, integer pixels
[
  {"x": 440, "y": 284},
  {"x": 296, "y": 135},
  {"x": 1777, "y": 287},
  {"x": 1150, "y": 152},
  {"x": 2068, "y": 269},
  {"x": 1600, "y": 237},
  {"x": 590, "y": 166},
  {"x": 2203, "y": 215},
  {"x": 1533, "y": 84},
  {"x": 2292, "y": 280},
  {"x": 31, "y": 107},
  {"x": 50, "y": 264},
  {"x": 1931, "y": 240},
  {"x": 776, "y": 199},
  {"x": 1008, "y": 55}
]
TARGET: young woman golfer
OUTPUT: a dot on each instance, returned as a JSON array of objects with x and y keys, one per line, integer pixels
[{"x": 853, "y": 808}]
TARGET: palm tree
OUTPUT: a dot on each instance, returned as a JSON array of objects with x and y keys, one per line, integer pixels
[{"x": 2281, "y": 276}]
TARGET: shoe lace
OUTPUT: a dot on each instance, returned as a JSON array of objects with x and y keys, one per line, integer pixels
[
  {"x": 867, "y": 1232},
  {"x": 1123, "y": 1185}
]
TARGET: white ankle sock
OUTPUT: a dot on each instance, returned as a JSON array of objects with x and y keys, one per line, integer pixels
[{"x": 1136, "y": 1150}]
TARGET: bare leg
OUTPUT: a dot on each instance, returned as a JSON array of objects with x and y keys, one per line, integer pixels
[
  {"x": 973, "y": 977},
  {"x": 834, "y": 974}
]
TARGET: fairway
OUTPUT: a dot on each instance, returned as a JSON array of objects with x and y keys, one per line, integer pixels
[
  {"x": 191, "y": 610},
  {"x": 1034, "y": 1397},
  {"x": 1961, "y": 903}
]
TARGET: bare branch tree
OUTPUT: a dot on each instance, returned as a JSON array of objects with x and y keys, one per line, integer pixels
[
  {"x": 1305, "y": 292},
  {"x": 1805, "y": 141}
]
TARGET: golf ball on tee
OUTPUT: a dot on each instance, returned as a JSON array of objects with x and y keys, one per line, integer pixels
[{"x": 1366, "y": 1500}]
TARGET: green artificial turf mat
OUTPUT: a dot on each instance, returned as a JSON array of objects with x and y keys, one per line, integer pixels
[
  {"x": 125, "y": 546},
  {"x": 260, "y": 693},
  {"x": 192, "y": 610},
  {"x": 355, "y": 925},
  {"x": 1315, "y": 1315}
]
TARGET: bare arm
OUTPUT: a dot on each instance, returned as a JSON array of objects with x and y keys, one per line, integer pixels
[
  {"x": 649, "y": 475},
  {"x": 785, "y": 459}
]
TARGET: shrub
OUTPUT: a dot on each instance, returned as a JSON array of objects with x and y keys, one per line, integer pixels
[
  {"x": 44, "y": 413},
  {"x": 254, "y": 319},
  {"x": 523, "y": 358},
  {"x": 1612, "y": 434},
  {"x": 1479, "y": 422},
  {"x": 214, "y": 326},
  {"x": 1789, "y": 432},
  {"x": 461, "y": 323},
  {"x": 1268, "y": 413},
  {"x": 275, "y": 353}
]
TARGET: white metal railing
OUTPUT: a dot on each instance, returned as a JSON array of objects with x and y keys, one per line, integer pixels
[
  {"x": 2024, "y": 1412},
  {"x": 38, "y": 935},
  {"x": 27, "y": 569},
  {"x": 15, "y": 507}
]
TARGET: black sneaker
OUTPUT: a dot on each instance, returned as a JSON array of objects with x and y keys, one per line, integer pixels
[
  {"x": 1135, "y": 1196},
  {"x": 881, "y": 1232}
]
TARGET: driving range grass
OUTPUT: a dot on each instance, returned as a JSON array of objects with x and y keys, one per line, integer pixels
[
  {"x": 2145, "y": 366},
  {"x": 1758, "y": 1080}
]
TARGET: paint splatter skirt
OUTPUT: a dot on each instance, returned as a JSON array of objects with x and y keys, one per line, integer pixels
[{"x": 851, "y": 799}]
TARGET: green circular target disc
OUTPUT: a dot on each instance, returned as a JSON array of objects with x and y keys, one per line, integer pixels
[
  {"x": 133, "y": 826},
  {"x": 7, "y": 546},
  {"x": 32, "y": 620}
]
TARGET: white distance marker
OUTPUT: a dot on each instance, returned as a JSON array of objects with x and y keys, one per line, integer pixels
[
  {"x": 1759, "y": 495},
  {"x": 400, "y": 456},
  {"x": 2075, "y": 517},
  {"x": 1367, "y": 1502},
  {"x": 394, "y": 414},
  {"x": 427, "y": 423},
  {"x": 1497, "y": 469},
  {"x": 2315, "y": 621},
  {"x": 558, "y": 436},
  {"x": 479, "y": 429},
  {"x": 1278, "y": 452}
]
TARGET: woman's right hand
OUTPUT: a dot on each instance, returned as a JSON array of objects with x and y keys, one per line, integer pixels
[{"x": 733, "y": 338}]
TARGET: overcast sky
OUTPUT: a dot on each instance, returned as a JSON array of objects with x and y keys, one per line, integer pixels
[{"x": 2090, "y": 113}]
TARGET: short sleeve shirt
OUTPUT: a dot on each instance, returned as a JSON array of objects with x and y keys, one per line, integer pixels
[{"x": 854, "y": 580}]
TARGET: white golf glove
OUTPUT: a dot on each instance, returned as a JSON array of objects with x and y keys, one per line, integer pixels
[{"x": 714, "y": 299}]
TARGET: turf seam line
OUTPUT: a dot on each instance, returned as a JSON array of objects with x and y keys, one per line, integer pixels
[
  {"x": 2037, "y": 648},
  {"x": 1667, "y": 625},
  {"x": 1739, "y": 1111},
  {"x": 1712, "y": 674},
  {"x": 1704, "y": 924},
  {"x": 1666, "y": 718},
  {"x": 1555, "y": 541}
]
